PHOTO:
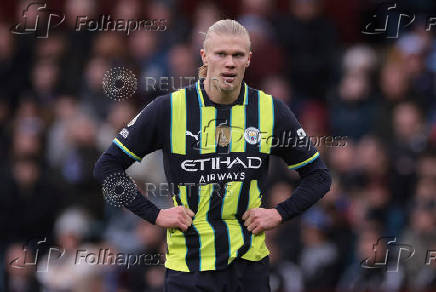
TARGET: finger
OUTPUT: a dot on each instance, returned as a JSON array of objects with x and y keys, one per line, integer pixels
[
  {"x": 257, "y": 230},
  {"x": 185, "y": 210},
  {"x": 249, "y": 220},
  {"x": 186, "y": 217},
  {"x": 246, "y": 214},
  {"x": 190, "y": 212},
  {"x": 183, "y": 227}
]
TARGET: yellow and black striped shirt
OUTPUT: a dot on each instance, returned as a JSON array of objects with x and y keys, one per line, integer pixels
[{"x": 217, "y": 156}]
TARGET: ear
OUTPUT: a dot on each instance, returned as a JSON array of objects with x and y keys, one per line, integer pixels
[
  {"x": 248, "y": 61},
  {"x": 203, "y": 56}
]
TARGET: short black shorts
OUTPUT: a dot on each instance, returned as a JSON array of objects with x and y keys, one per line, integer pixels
[{"x": 240, "y": 276}]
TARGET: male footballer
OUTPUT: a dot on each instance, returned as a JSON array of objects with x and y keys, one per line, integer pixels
[{"x": 217, "y": 137}]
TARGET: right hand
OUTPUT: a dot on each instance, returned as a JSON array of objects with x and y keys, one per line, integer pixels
[{"x": 176, "y": 217}]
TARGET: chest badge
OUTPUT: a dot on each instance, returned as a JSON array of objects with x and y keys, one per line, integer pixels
[
  {"x": 252, "y": 135},
  {"x": 223, "y": 135}
]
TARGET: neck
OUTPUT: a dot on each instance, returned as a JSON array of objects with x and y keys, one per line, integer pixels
[{"x": 219, "y": 96}]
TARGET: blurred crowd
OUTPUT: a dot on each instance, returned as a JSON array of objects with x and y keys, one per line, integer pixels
[{"x": 378, "y": 95}]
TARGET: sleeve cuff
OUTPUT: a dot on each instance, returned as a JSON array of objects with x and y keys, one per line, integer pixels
[
  {"x": 305, "y": 162},
  {"x": 282, "y": 213},
  {"x": 154, "y": 212}
]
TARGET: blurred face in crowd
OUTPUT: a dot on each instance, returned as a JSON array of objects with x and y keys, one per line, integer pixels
[
  {"x": 305, "y": 9},
  {"x": 226, "y": 57},
  {"x": 367, "y": 239},
  {"x": 406, "y": 121},
  {"x": 423, "y": 221},
  {"x": 44, "y": 76},
  {"x": 394, "y": 81},
  {"x": 354, "y": 86},
  {"x": 181, "y": 62},
  {"x": 26, "y": 173}
]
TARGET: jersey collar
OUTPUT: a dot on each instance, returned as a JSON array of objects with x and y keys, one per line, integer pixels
[{"x": 204, "y": 100}]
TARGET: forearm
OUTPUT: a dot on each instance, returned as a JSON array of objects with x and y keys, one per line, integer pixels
[
  {"x": 114, "y": 161},
  {"x": 312, "y": 188}
]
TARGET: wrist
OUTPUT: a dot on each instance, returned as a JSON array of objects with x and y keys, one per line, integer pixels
[{"x": 278, "y": 215}]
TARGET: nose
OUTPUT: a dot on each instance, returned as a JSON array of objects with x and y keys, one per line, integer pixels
[{"x": 229, "y": 62}]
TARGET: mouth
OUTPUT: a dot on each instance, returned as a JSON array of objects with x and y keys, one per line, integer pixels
[{"x": 228, "y": 77}]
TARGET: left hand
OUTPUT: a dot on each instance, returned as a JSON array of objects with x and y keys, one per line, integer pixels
[{"x": 261, "y": 219}]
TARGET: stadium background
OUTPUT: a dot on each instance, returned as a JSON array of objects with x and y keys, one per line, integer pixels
[{"x": 378, "y": 92}]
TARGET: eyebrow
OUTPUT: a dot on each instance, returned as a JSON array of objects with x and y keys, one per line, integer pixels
[{"x": 224, "y": 51}]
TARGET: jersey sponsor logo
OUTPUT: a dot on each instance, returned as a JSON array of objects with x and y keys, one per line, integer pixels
[
  {"x": 252, "y": 135},
  {"x": 215, "y": 163},
  {"x": 217, "y": 177}
]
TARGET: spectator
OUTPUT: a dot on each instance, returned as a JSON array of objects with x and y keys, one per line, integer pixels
[{"x": 310, "y": 42}]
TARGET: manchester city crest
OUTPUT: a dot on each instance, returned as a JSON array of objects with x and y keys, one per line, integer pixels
[{"x": 252, "y": 135}]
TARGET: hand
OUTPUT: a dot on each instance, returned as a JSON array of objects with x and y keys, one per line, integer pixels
[
  {"x": 176, "y": 217},
  {"x": 260, "y": 219}
]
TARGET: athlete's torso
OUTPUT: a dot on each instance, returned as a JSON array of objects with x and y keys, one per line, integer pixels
[{"x": 216, "y": 162}]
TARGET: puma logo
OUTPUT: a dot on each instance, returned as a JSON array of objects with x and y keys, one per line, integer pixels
[{"x": 189, "y": 133}]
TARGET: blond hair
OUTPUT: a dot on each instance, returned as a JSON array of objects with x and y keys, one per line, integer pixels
[{"x": 223, "y": 26}]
